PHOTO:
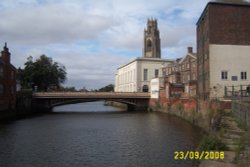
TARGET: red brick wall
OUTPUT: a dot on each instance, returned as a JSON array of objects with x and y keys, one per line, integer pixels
[
  {"x": 229, "y": 24},
  {"x": 8, "y": 98}
]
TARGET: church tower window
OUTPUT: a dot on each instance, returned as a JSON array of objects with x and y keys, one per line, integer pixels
[{"x": 149, "y": 45}]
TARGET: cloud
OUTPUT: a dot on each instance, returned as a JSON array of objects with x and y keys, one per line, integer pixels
[
  {"x": 51, "y": 24},
  {"x": 91, "y": 71},
  {"x": 93, "y": 38}
]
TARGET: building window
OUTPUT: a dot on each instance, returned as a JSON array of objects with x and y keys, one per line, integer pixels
[
  {"x": 224, "y": 75},
  {"x": 145, "y": 74},
  {"x": 243, "y": 75},
  {"x": 187, "y": 66},
  {"x": 145, "y": 88},
  {"x": 1, "y": 89},
  {"x": 193, "y": 65},
  {"x": 194, "y": 76},
  {"x": 156, "y": 73}
]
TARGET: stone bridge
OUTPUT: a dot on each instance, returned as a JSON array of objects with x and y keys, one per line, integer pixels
[{"x": 47, "y": 100}]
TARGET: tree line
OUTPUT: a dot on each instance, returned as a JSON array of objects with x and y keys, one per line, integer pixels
[{"x": 43, "y": 74}]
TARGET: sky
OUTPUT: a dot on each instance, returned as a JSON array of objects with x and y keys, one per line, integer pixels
[{"x": 92, "y": 38}]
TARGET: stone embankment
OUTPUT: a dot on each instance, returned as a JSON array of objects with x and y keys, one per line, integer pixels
[
  {"x": 219, "y": 123},
  {"x": 237, "y": 141}
]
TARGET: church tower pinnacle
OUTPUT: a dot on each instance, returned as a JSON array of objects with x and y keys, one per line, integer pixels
[{"x": 152, "y": 43}]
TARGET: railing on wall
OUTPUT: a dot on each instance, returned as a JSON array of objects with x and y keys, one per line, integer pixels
[
  {"x": 237, "y": 91},
  {"x": 242, "y": 111}
]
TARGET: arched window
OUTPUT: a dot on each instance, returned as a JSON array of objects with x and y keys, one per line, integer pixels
[
  {"x": 149, "y": 45},
  {"x": 145, "y": 88}
]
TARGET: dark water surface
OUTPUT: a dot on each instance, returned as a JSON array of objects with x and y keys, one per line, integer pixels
[{"x": 96, "y": 139}]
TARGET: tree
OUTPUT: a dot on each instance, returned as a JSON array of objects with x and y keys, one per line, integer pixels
[
  {"x": 108, "y": 88},
  {"x": 43, "y": 73}
]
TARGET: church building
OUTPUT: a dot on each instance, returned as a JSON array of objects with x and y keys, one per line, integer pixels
[{"x": 136, "y": 75}]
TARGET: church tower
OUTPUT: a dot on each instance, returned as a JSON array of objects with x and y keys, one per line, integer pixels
[{"x": 152, "y": 43}]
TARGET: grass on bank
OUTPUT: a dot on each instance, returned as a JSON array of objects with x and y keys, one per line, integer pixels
[{"x": 210, "y": 142}]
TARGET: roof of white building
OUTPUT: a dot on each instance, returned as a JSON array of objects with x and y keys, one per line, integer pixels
[{"x": 148, "y": 60}]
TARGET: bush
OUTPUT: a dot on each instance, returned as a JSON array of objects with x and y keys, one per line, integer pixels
[{"x": 211, "y": 143}]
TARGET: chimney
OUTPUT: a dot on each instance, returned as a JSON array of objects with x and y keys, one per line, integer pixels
[
  {"x": 5, "y": 54},
  {"x": 190, "y": 50}
]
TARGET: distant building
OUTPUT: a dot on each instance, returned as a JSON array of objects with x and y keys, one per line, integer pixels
[
  {"x": 182, "y": 73},
  {"x": 7, "y": 82},
  {"x": 136, "y": 75},
  {"x": 223, "y": 47}
]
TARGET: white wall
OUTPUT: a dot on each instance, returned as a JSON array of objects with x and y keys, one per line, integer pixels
[
  {"x": 126, "y": 78},
  {"x": 231, "y": 58},
  {"x": 155, "y": 86},
  {"x": 129, "y": 78},
  {"x": 151, "y": 66}
]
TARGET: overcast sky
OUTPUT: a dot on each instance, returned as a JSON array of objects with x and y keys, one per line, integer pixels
[{"x": 92, "y": 38}]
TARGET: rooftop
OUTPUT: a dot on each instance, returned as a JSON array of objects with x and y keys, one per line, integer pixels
[
  {"x": 224, "y": 2},
  {"x": 147, "y": 59},
  {"x": 231, "y": 2}
]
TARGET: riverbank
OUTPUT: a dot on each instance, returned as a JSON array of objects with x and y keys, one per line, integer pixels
[
  {"x": 219, "y": 124},
  {"x": 23, "y": 107}
]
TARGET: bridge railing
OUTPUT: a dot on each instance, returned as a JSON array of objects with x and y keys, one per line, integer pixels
[{"x": 91, "y": 94}]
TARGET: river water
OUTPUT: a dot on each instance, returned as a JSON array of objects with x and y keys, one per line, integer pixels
[{"x": 94, "y": 135}]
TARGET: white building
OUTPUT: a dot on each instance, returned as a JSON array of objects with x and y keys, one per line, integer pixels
[
  {"x": 136, "y": 75},
  {"x": 155, "y": 85},
  {"x": 227, "y": 69}
]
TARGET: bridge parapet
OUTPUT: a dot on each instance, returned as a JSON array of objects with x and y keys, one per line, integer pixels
[{"x": 95, "y": 95}]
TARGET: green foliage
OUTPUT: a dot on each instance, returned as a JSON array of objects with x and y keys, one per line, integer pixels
[
  {"x": 43, "y": 73},
  {"x": 108, "y": 88},
  {"x": 179, "y": 106},
  {"x": 211, "y": 143}
]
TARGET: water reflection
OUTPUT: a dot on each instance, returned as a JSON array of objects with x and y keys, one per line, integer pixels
[
  {"x": 97, "y": 106},
  {"x": 74, "y": 139}
]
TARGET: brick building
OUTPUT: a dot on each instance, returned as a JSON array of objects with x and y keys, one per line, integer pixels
[
  {"x": 7, "y": 84},
  {"x": 181, "y": 75},
  {"x": 223, "y": 47}
]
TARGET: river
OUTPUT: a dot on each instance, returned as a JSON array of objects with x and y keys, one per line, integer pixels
[{"x": 94, "y": 135}]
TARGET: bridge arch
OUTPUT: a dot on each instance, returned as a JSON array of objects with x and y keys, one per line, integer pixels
[
  {"x": 130, "y": 105},
  {"x": 134, "y": 100}
]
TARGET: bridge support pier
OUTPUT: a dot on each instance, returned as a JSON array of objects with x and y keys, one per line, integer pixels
[
  {"x": 41, "y": 105},
  {"x": 137, "y": 107}
]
